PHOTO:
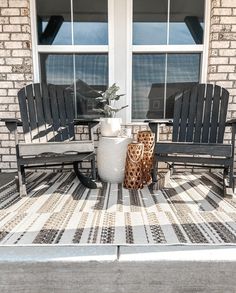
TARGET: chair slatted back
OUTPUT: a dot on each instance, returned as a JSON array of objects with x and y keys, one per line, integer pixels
[
  {"x": 200, "y": 114},
  {"x": 47, "y": 113}
]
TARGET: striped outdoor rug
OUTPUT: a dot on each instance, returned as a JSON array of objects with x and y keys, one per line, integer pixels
[{"x": 58, "y": 209}]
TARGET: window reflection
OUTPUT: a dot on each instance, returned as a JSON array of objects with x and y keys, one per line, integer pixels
[
  {"x": 91, "y": 72},
  {"x": 54, "y": 22},
  {"x": 57, "y": 68},
  {"x": 90, "y": 22},
  {"x": 82, "y": 73},
  {"x": 148, "y": 85},
  {"x": 150, "y": 22},
  {"x": 182, "y": 73},
  {"x": 156, "y": 77},
  {"x": 186, "y": 22}
]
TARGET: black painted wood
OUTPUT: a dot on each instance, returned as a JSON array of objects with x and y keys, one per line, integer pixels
[
  {"x": 192, "y": 116},
  {"x": 198, "y": 129},
  {"x": 47, "y": 113},
  {"x": 223, "y": 113},
  {"x": 207, "y": 113},
  {"x": 177, "y": 116},
  {"x": 24, "y": 110},
  {"x": 40, "y": 113},
  {"x": 194, "y": 148},
  {"x": 184, "y": 116},
  {"x": 215, "y": 114},
  {"x": 199, "y": 112}
]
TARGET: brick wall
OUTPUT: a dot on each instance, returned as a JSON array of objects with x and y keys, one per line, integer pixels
[
  {"x": 16, "y": 63},
  {"x": 15, "y": 68},
  {"x": 222, "y": 49}
]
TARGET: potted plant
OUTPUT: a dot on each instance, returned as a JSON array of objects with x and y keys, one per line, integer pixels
[{"x": 110, "y": 125}]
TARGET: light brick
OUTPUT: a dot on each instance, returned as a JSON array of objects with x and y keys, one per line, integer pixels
[
  {"x": 12, "y": 92},
  {"x": 227, "y": 37},
  {"x": 3, "y": 3},
  {"x": 9, "y": 158},
  {"x": 14, "y": 61},
  {"x": 19, "y": 20},
  {"x": 221, "y": 44},
  {"x": 3, "y": 92},
  {"x": 6, "y": 84},
  {"x": 20, "y": 37},
  {"x": 228, "y": 20},
  {"x": 222, "y": 11},
  {"x": 18, "y": 3},
  {"x": 221, "y": 28},
  {"x": 219, "y": 60},
  {"x": 232, "y": 60},
  {"x": 5, "y": 99},
  {"x": 21, "y": 53},
  {"x": 5, "y": 53},
  {"x": 4, "y": 166},
  {"x": 226, "y": 68},
  {"x": 228, "y": 3},
  {"x": 227, "y": 52},
  {"x": 4, "y": 36},
  {"x": 13, "y": 45},
  {"x": 10, "y": 11},
  {"x": 11, "y": 28},
  {"x": 226, "y": 84},
  {"x": 12, "y": 76},
  {"x": 232, "y": 76},
  {"x": 24, "y": 11},
  {"x": 5, "y": 69},
  {"x": 4, "y": 20}
]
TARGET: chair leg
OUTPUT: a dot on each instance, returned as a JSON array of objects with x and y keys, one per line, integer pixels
[
  {"x": 154, "y": 170},
  {"x": 231, "y": 177},
  {"x": 85, "y": 180},
  {"x": 228, "y": 185},
  {"x": 21, "y": 181},
  {"x": 93, "y": 168}
]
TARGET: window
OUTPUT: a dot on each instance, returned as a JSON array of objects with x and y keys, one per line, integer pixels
[
  {"x": 166, "y": 53},
  {"x": 151, "y": 49},
  {"x": 72, "y": 44}
]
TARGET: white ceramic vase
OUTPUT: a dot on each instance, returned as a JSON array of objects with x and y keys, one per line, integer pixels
[
  {"x": 111, "y": 156},
  {"x": 110, "y": 126}
]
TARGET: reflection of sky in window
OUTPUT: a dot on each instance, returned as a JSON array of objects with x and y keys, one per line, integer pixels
[
  {"x": 85, "y": 33},
  {"x": 149, "y": 69},
  {"x": 91, "y": 33},
  {"x": 149, "y": 33},
  {"x": 63, "y": 36}
]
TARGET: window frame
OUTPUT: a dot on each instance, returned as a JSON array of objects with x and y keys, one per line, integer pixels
[
  {"x": 120, "y": 53},
  {"x": 169, "y": 48}
]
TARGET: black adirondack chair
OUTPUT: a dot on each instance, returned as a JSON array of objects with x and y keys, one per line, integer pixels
[
  {"x": 47, "y": 118},
  {"x": 198, "y": 132}
]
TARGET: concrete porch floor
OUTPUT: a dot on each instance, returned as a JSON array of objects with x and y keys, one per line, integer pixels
[{"x": 113, "y": 269}]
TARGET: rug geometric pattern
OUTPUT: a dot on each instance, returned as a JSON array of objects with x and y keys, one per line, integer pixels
[{"x": 59, "y": 210}]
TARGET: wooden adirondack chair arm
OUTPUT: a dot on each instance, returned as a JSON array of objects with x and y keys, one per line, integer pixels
[
  {"x": 231, "y": 122},
  {"x": 154, "y": 125},
  {"x": 167, "y": 122},
  {"x": 9, "y": 121},
  {"x": 11, "y": 124}
]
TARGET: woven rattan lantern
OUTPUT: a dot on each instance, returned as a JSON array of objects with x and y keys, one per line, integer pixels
[
  {"x": 133, "y": 167},
  {"x": 147, "y": 138}
]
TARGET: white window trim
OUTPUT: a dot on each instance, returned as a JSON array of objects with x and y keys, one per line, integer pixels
[
  {"x": 203, "y": 49},
  {"x": 115, "y": 74}
]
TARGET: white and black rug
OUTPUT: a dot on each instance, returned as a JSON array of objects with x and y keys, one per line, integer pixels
[{"x": 59, "y": 210}]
